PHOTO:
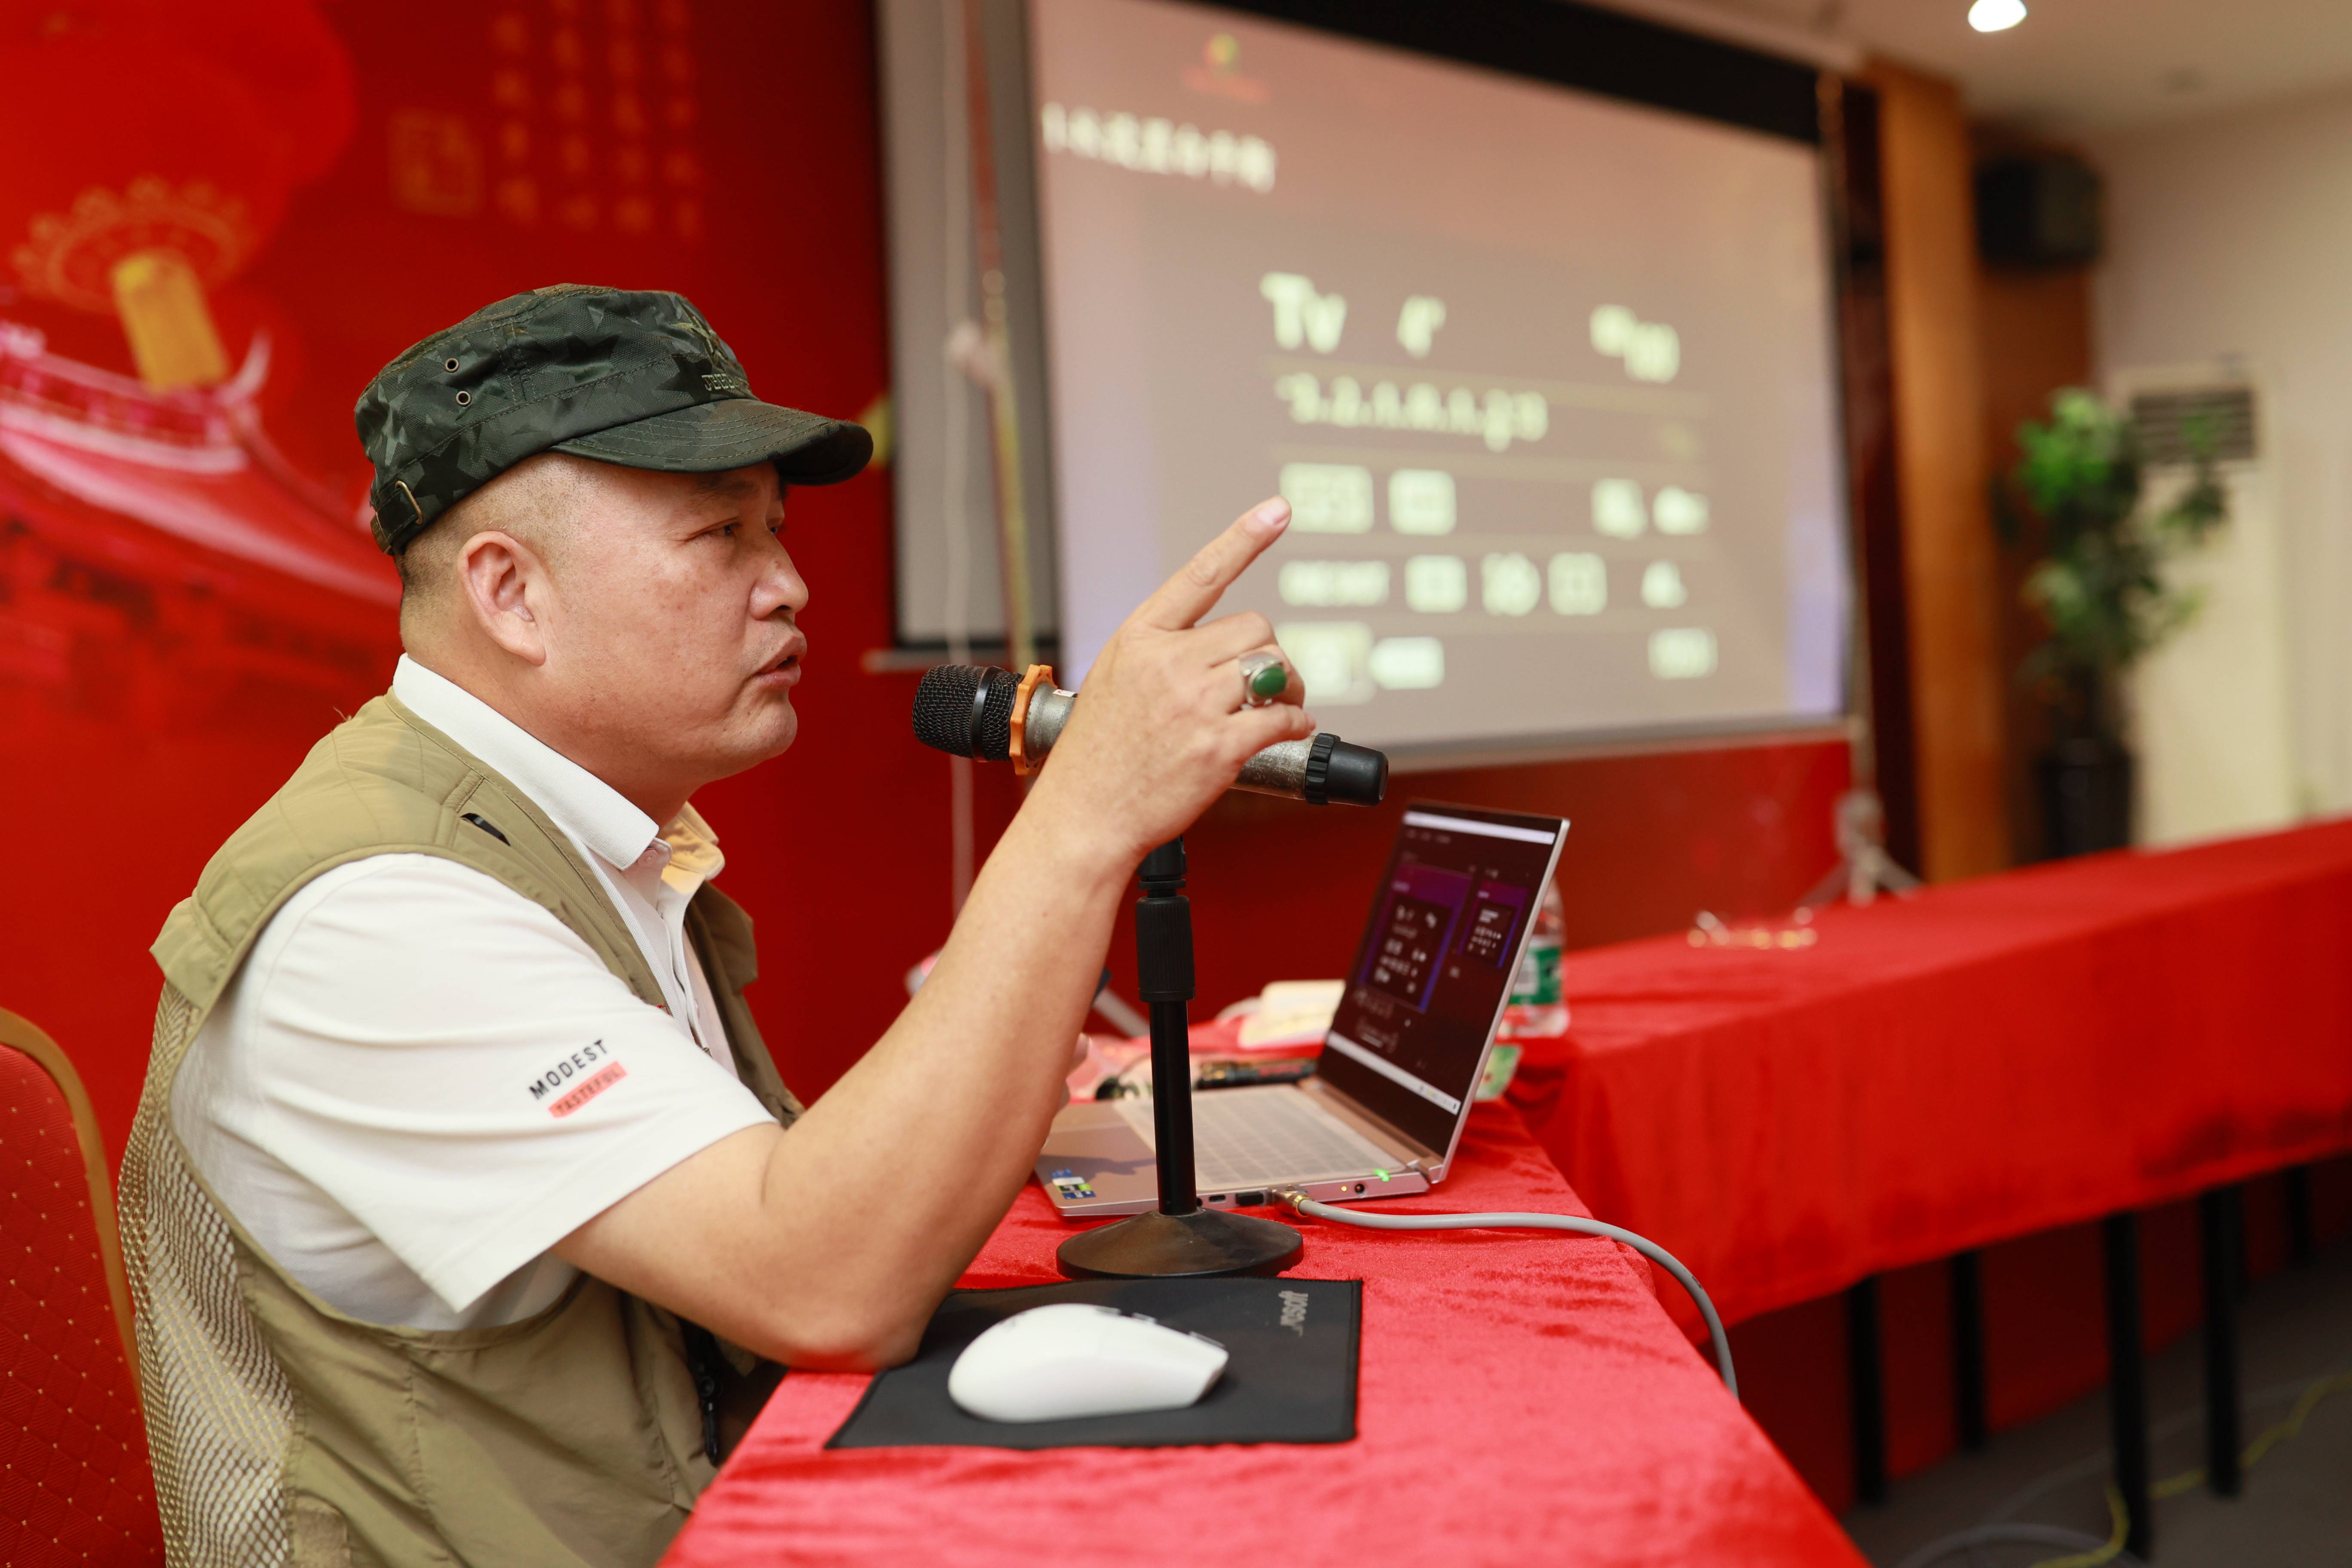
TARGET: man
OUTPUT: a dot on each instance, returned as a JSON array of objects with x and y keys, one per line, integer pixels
[{"x": 464, "y": 1196}]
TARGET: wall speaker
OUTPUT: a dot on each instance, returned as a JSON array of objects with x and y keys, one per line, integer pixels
[{"x": 2038, "y": 211}]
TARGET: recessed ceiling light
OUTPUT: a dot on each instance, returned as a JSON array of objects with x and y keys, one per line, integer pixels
[{"x": 1996, "y": 15}]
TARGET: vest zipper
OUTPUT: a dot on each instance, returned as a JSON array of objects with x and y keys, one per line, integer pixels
[{"x": 702, "y": 1360}]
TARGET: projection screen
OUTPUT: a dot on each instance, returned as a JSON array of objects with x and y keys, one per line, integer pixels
[{"x": 1548, "y": 377}]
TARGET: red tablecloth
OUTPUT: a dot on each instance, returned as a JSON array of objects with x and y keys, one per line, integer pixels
[
  {"x": 1988, "y": 1059},
  {"x": 1523, "y": 1400}
]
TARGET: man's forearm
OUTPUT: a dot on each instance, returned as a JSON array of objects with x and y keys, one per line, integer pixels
[
  {"x": 827, "y": 1247},
  {"x": 895, "y": 1176}
]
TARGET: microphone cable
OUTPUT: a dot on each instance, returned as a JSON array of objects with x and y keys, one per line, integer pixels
[{"x": 1300, "y": 1203}]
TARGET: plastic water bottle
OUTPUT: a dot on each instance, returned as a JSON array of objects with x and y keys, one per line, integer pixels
[{"x": 1537, "y": 1009}]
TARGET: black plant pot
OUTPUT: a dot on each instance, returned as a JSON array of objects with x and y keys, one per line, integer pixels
[{"x": 2086, "y": 797}]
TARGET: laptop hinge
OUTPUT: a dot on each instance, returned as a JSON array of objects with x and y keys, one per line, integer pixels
[{"x": 1420, "y": 1156}]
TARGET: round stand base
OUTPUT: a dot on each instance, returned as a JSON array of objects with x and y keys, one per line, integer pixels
[{"x": 1156, "y": 1245}]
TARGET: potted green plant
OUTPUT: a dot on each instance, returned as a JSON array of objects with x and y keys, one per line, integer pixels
[{"x": 2097, "y": 583}]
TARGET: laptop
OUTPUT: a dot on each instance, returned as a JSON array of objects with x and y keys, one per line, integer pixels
[{"x": 1384, "y": 1109}]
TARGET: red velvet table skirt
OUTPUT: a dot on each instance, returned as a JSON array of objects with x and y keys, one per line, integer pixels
[
  {"x": 1989, "y": 1059},
  {"x": 1523, "y": 1400}
]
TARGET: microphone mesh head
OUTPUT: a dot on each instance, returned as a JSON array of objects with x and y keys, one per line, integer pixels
[{"x": 966, "y": 711}]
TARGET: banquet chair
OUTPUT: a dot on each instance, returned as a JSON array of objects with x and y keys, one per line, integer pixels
[{"x": 75, "y": 1487}]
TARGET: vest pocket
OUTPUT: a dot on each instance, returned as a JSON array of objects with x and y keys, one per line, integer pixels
[{"x": 320, "y": 1537}]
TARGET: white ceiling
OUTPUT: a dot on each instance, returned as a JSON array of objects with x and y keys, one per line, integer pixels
[{"x": 2073, "y": 66}]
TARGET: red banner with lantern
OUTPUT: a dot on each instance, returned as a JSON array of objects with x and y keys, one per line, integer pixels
[{"x": 217, "y": 222}]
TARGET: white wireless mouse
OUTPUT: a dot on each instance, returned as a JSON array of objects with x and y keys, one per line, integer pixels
[{"x": 1050, "y": 1363}]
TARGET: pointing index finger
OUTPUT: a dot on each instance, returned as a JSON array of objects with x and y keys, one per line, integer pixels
[{"x": 1194, "y": 590}]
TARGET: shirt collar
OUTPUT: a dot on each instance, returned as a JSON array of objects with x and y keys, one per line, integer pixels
[{"x": 584, "y": 806}]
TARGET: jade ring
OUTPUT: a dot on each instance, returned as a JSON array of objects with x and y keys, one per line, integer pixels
[{"x": 1264, "y": 678}]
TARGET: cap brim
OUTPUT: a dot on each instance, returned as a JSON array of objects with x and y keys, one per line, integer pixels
[{"x": 734, "y": 433}]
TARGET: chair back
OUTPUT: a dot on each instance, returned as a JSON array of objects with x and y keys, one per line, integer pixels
[{"x": 75, "y": 1487}]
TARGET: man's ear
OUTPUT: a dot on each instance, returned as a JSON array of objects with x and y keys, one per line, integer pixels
[{"x": 506, "y": 588}]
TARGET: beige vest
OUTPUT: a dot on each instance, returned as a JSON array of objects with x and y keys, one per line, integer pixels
[{"x": 284, "y": 1431}]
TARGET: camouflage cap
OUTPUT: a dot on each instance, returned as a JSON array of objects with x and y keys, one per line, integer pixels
[{"x": 627, "y": 376}]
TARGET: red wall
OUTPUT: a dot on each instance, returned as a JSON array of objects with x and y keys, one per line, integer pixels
[{"x": 129, "y": 800}]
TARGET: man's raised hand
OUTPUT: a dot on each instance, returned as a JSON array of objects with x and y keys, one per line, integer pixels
[{"x": 1163, "y": 730}]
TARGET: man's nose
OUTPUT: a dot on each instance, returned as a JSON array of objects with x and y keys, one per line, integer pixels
[{"x": 781, "y": 586}]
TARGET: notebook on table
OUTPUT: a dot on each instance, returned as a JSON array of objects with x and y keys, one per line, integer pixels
[{"x": 1384, "y": 1110}]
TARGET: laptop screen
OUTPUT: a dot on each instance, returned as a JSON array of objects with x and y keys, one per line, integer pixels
[{"x": 1436, "y": 967}]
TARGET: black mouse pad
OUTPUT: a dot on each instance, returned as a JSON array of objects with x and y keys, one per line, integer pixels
[{"x": 1291, "y": 1378}]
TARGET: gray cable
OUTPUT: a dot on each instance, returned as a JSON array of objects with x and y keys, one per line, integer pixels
[
  {"x": 1997, "y": 1530},
  {"x": 2097, "y": 1462},
  {"x": 1641, "y": 1243},
  {"x": 2011, "y": 1535}
]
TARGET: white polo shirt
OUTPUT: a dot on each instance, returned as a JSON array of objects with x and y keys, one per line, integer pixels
[{"x": 419, "y": 1080}]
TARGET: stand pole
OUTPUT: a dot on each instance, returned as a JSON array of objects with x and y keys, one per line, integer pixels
[
  {"x": 1163, "y": 967},
  {"x": 1181, "y": 1237},
  {"x": 1003, "y": 402}
]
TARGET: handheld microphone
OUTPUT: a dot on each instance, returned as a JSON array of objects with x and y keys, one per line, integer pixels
[{"x": 974, "y": 710}]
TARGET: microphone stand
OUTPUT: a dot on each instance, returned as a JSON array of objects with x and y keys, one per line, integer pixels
[{"x": 1180, "y": 1237}]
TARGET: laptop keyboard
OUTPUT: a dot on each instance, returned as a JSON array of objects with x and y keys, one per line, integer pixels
[{"x": 1249, "y": 1137}]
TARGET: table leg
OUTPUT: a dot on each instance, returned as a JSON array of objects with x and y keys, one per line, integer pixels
[
  {"x": 1969, "y": 1349},
  {"x": 2300, "y": 1242},
  {"x": 1866, "y": 1390},
  {"x": 2127, "y": 1378},
  {"x": 2218, "y": 1216}
]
